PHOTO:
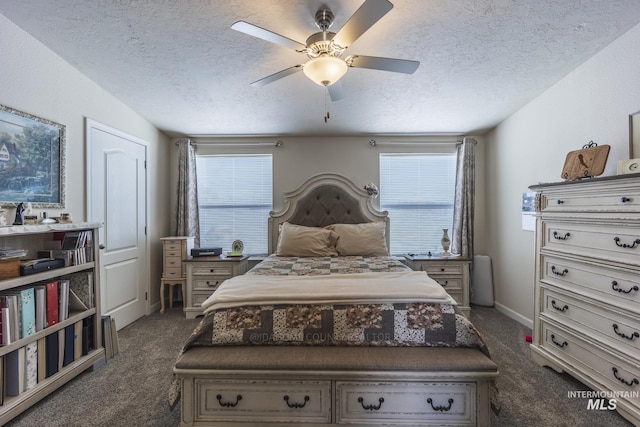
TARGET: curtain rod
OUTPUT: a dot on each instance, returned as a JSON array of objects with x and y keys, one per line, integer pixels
[
  {"x": 375, "y": 143},
  {"x": 276, "y": 144}
]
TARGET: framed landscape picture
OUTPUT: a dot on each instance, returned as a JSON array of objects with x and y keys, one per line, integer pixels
[{"x": 32, "y": 160}]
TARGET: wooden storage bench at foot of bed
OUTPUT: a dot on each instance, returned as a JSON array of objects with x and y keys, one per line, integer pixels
[{"x": 253, "y": 385}]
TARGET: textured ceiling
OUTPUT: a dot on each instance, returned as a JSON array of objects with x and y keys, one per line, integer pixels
[{"x": 180, "y": 65}]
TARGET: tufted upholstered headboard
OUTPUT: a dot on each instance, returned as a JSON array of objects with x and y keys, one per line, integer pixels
[{"x": 322, "y": 200}]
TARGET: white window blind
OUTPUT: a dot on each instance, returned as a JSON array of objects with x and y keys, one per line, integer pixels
[
  {"x": 235, "y": 195},
  {"x": 418, "y": 190}
]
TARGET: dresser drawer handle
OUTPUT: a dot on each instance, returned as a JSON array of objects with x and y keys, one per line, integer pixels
[
  {"x": 371, "y": 407},
  {"x": 296, "y": 405},
  {"x": 229, "y": 404},
  {"x": 625, "y": 199},
  {"x": 559, "y": 237},
  {"x": 563, "y": 308},
  {"x": 559, "y": 273},
  {"x": 625, "y": 245},
  {"x": 440, "y": 408},
  {"x": 560, "y": 202},
  {"x": 561, "y": 345},
  {"x": 212, "y": 270},
  {"x": 622, "y": 380},
  {"x": 614, "y": 286},
  {"x": 635, "y": 334}
]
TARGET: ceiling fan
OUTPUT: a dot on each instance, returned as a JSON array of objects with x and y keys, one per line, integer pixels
[{"x": 325, "y": 48}]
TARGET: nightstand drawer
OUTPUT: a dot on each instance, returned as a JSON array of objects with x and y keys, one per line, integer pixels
[
  {"x": 449, "y": 283},
  {"x": 405, "y": 403},
  {"x": 212, "y": 269},
  {"x": 208, "y": 283},
  {"x": 198, "y": 297},
  {"x": 442, "y": 269}
]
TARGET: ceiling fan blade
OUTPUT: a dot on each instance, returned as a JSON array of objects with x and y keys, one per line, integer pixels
[
  {"x": 336, "y": 91},
  {"x": 386, "y": 64},
  {"x": 368, "y": 14},
  {"x": 270, "y": 36},
  {"x": 277, "y": 76}
]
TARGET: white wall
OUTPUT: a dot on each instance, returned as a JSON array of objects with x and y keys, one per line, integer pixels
[
  {"x": 591, "y": 103},
  {"x": 35, "y": 80}
]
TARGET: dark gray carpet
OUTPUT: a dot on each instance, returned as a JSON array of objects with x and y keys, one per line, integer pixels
[{"x": 131, "y": 389}]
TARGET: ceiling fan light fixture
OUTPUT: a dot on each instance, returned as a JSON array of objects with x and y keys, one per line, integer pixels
[{"x": 325, "y": 70}]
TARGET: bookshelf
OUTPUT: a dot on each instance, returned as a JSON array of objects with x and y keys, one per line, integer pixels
[{"x": 35, "y": 363}]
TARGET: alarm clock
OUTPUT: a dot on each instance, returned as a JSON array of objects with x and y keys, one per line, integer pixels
[{"x": 628, "y": 166}]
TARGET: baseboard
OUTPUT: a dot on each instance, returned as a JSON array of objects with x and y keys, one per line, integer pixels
[{"x": 514, "y": 315}]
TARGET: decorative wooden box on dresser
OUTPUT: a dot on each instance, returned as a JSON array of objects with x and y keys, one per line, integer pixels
[
  {"x": 31, "y": 370},
  {"x": 587, "y": 285},
  {"x": 174, "y": 250},
  {"x": 205, "y": 274},
  {"x": 452, "y": 272}
]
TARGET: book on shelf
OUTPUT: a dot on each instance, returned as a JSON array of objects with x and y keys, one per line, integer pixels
[
  {"x": 31, "y": 366},
  {"x": 42, "y": 359},
  {"x": 14, "y": 372},
  {"x": 52, "y": 303},
  {"x": 77, "y": 340},
  {"x": 10, "y": 318},
  {"x": 69, "y": 344},
  {"x": 63, "y": 300},
  {"x": 52, "y": 356},
  {"x": 40, "y": 292}
]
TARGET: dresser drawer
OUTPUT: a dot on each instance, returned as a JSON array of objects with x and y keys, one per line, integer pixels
[
  {"x": 604, "y": 283},
  {"x": 613, "y": 329},
  {"x": 263, "y": 401},
  {"x": 172, "y": 262},
  {"x": 607, "y": 242},
  {"x": 173, "y": 273},
  {"x": 405, "y": 403},
  {"x": 609, "y": 371},
  {"x": 212, "y": 269},
  {"x": 175, "y": 246},
  {"x": 596, "y": 200}
]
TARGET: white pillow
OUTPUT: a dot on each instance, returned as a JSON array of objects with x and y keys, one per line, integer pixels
[
  {"x": 366, "y": 239},
  {"x": 302, "y": 241}
]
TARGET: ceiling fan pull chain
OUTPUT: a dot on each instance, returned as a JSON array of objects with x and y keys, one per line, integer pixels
[{"x": 327, "y": 115}]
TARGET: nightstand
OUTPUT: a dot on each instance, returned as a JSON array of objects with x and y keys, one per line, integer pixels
[
  {"x": 205, "y": 274},
  {"x": 174, "y": 250},
  {"x": 452, "y": 272}
]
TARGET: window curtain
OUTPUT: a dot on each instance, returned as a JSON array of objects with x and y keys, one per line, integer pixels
[
  {"x": 463, "y": 208},
  {"x": 187, "y": 218}
]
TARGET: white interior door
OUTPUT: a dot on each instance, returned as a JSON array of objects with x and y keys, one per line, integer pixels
[{"x": 116, "y": 197}]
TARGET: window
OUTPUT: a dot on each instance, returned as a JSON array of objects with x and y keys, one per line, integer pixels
[
  {"x": 418, "y": 190},
  {"x": 235, "y": 196}
]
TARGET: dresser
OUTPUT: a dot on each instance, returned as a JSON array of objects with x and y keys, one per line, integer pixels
[
  {"x": 451, "y": 272},
  {"x": 174, "y": 250},
  {"x": 205, "y": 274},
  {"x": 587, "y": 285}
]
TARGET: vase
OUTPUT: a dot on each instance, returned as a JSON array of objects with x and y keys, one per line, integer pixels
[{"x": 446, "y": 242}]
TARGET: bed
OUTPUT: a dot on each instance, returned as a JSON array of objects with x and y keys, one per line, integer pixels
[{"x": 329, "y": 329}]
